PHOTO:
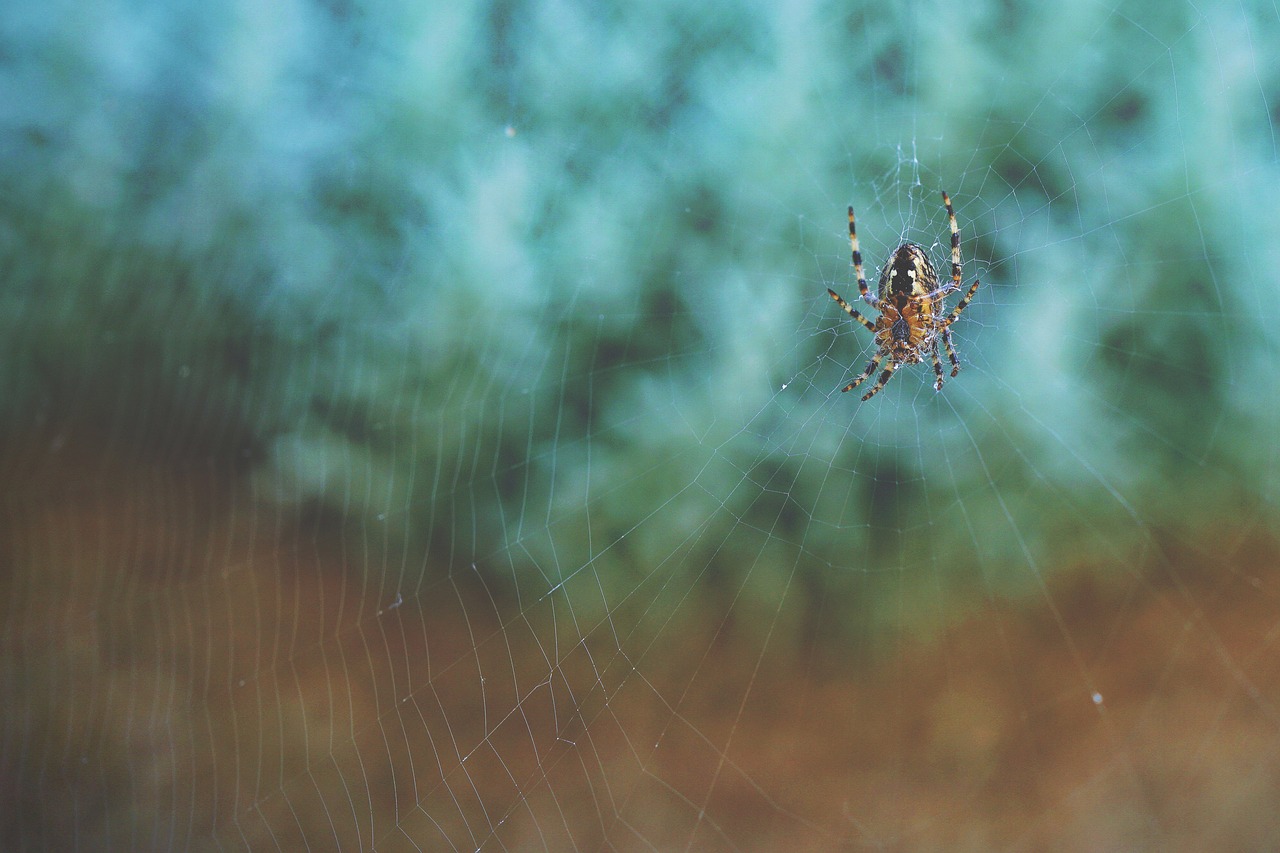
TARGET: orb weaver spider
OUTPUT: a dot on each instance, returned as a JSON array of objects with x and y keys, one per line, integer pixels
[{"x": 911, "y": 307}]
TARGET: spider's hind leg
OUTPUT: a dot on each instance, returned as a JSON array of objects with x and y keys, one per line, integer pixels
[
  {"x": 884, "y": 377},
  {"x": 951, "y": 354},
  {"x": 875, "y": 362},
  {"x": 937, "y": 364}
]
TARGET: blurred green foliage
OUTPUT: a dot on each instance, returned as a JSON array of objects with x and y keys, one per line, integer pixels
[{"x": 520, "y": 284}]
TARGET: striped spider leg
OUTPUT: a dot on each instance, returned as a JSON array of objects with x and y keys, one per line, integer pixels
[{"x": 912, "y": 313}]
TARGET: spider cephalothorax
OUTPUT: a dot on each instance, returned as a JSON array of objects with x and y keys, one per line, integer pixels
[{"x": 911, "y": 308}]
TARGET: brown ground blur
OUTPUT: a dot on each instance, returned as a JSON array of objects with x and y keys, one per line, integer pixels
[{"x": 182, "y": 670}]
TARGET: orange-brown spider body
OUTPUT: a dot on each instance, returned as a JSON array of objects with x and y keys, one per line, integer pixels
[{"x": 912, "y": 313}]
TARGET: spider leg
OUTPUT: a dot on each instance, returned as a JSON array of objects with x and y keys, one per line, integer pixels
[
  {"x": 937, "y": 364},
  {"x": 867, "y": 295},
  {"x": 949, "y": 287},
  {"x": 884, "y": 377},
  {"x": 960, "y": 306},
  {"x": 871, "y": 327},
  {"x": 951, "y": 351},
  {"x": 955, "y": 243},
  {"x": 875, "y": 362}
]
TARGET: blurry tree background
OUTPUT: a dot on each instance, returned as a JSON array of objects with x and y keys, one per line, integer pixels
[{"x": 518, "y": 310}]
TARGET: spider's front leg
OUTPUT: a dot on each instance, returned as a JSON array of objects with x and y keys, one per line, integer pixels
[
  {"x": 961, "y": 305},
  {"x": 946, "y": 289},
  {"x": 875, "y": 362},
  {"x": 867, "y": 296},
  {"x": 871, "y": 327},
  {"x": 956, "y": 262}
]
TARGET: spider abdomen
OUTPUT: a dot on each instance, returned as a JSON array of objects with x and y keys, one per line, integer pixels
[{"x": 907, "y": 273}]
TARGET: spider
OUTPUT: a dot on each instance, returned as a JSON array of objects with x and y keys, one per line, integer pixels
[{"x": 911, "y": 308}]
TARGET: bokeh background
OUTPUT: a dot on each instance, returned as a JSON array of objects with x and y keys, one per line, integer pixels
[{"x": 422, "y": 427}]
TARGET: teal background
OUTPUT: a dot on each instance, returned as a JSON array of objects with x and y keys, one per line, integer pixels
[{"x": 473, "y": 278}]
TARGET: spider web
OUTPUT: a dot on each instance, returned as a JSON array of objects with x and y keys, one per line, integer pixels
[{"x": 423, "y": 428}]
